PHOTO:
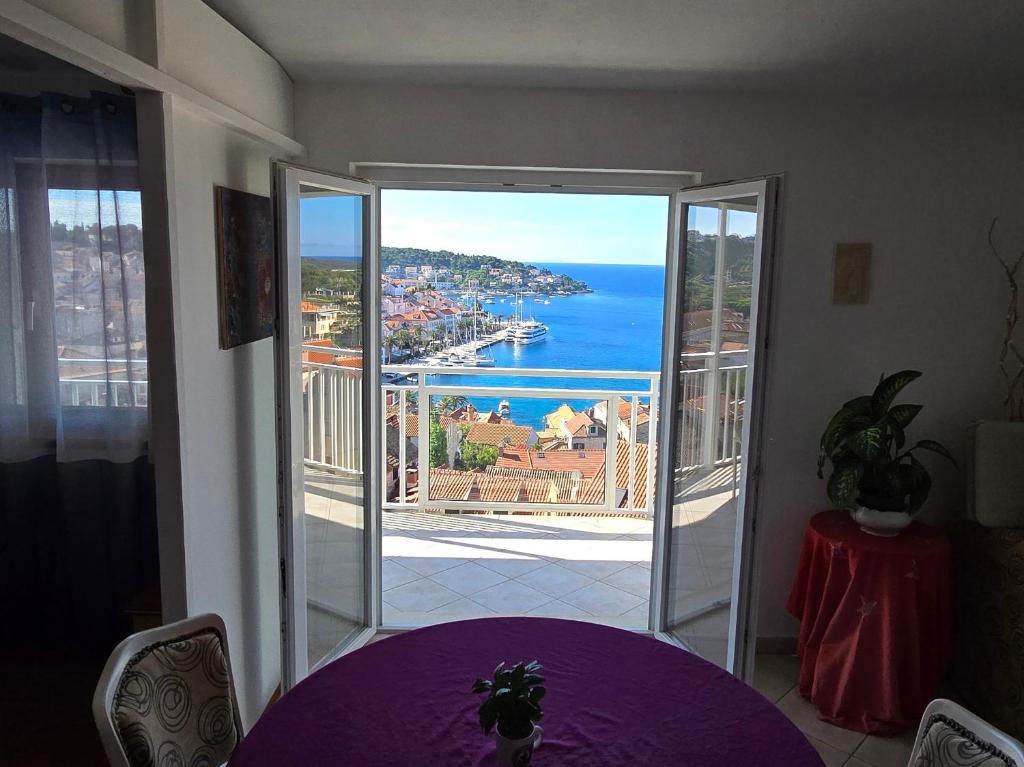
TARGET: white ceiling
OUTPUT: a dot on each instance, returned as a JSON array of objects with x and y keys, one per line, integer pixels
[{"x": 894, "y": 46}]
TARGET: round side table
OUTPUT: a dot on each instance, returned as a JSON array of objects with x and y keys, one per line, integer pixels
[{"x": 875, "y": 622}]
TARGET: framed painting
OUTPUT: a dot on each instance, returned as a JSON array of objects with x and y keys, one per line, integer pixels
[{"x": 245, "y": 267}]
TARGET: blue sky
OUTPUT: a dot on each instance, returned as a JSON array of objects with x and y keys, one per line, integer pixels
[
  {"x": 79, "y": 206},
  {"x": 531, "y": 227}
]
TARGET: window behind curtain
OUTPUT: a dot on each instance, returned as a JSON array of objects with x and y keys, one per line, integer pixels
[{"x": 99, "y": 297}]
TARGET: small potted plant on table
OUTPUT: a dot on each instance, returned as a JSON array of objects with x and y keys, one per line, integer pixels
[
  {"x": 512, "y": 706},
  {"x": 881, "y": 483}
]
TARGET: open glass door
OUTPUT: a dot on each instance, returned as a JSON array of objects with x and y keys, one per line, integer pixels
[
  {"x": 328, "y": 424},
  {"x": 715, "y": 306}
]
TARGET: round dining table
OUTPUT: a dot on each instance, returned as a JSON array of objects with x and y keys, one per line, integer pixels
[{"x": 614, "y": 697}]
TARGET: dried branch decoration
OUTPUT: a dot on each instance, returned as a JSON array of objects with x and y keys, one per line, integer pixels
[{"x": 1011, "y": 368}]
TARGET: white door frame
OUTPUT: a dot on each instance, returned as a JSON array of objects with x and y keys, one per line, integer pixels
[
  {"x": 739, "y": 657},
  {"x": 565, "y": 181},
  {"x": 288, "y": 360}
]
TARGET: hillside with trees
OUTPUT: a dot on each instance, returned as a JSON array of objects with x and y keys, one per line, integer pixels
[{"x": 476, "y": 267}]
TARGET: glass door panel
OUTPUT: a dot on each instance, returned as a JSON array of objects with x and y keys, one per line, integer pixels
[
  {"x": 707, "y": 539},
  {"x": 327, "y": 342}
]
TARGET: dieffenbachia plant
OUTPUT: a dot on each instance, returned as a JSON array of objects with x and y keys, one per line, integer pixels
[{"x": 865, "y": 445}]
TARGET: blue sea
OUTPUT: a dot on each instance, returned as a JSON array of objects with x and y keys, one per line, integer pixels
[{"x": 617, "y": 327}]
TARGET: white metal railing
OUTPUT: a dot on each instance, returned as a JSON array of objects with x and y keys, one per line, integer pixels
[
  {"x": 711, "y": 405},
  {"x": 634, "y": 387},
  {"x": 711, "y": 411},
  {"x": 109, "y": 387},
  {"x": 333, "y": 411}
]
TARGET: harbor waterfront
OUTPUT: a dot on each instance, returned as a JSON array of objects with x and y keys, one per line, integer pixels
[{"x": 617, "y": 326}]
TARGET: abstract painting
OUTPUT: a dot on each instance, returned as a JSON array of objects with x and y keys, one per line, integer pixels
[{"x": 245, "y": 267}]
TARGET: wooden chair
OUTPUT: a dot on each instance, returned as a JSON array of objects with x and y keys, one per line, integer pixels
[{"x": 167, "y": 695}]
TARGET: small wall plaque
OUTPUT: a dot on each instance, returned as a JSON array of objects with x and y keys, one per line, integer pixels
[{"x": 851, "y": 273}]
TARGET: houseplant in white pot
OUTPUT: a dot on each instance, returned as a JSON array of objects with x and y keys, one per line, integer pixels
[
  {"x": 512, "y": 707},
  {"x": 874, "y": 474}
]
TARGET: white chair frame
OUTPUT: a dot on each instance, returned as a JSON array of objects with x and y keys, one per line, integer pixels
[
  {"x": 103, "y": 699},
  {"x": 970, "y": 722}
]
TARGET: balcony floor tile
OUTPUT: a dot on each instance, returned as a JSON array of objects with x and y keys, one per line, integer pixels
[
  {"x": 555, "y": 580},
  {"x": 468, "y": 578}
]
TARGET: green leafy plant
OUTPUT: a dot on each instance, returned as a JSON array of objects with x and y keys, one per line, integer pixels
[
  {"x": 865, "y": 445},
  {"x": 513, "y": 699}
]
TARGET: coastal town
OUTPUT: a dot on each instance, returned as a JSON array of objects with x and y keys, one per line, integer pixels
[
  {"x": 437, "y": 317},
  {"x": 434, "y": 316},
  {"x": 441, "y": 309}
]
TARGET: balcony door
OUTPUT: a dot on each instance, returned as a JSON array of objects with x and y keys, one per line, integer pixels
[
  {"x": 328, "y": 393},
  {"x": 716, "y": 297}
]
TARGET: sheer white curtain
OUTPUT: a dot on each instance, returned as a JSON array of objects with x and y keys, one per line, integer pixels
[
  {"x": 77, "y": 513},
  {"x": 73, "y": 368}
]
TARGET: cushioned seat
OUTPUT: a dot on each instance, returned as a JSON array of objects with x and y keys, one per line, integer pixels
[
  {"x": 166, "y": 697},
  {"x": 951, "y": 736}
]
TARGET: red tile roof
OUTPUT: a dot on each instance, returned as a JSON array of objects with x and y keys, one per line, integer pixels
[
  {"x": 499, "y": 434},
  {"x": 587, "y": 462}
]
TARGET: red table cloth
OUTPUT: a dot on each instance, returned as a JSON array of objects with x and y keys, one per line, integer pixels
[
  {"x": 875, "y": 622},
  {"x": 613, "y": 698}
]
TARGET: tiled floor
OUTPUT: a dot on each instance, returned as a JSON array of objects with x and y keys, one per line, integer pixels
[
  {"x": 448, "y": 567},
  {"x": 439, "y": 567},
  {"x": 775, "y": 676}
]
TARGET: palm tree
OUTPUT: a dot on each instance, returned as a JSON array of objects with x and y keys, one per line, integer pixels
[{"x": 451, "y": 402}]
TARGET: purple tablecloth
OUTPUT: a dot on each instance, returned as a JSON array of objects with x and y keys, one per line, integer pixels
[{"x": 614, "y": 698}]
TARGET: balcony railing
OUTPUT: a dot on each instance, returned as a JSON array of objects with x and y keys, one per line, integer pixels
[
  {"x": 100, "y": 382},
  {"x": 710, "y": 413},
  {"x": 527, "y": 477}
]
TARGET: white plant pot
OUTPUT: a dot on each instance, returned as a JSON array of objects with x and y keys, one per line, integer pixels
[
  {"x": 518, "y": 753},
  {"x": 882, "y": 523}
]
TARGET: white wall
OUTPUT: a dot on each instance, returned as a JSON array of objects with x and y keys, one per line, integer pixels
[
  {"x": 226, "y": 414},
  {"x": 919, "y": 180},
  {"x": 200, "y": 48},
  {"x": 109, "y": 20}
]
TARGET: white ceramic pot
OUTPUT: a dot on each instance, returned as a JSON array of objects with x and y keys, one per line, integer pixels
[
  {"x": 883, "y": 523},
  {"x": 518, "y": 753}
]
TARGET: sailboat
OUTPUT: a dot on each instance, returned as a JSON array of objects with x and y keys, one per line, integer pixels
[
  {"x": 472, "y": 357},
  {"x": 523, "y": 332}
]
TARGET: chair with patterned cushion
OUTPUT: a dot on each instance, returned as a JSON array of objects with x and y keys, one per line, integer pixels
[
  {"x": 166, "y": 697},
  {"x": 951, "y": 736}
]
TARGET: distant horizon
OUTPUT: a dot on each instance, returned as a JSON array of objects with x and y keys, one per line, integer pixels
[{"x": 542, "y": 263}]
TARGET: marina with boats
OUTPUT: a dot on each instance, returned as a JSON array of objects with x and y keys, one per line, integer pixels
[{"x": 518, "y": 330}]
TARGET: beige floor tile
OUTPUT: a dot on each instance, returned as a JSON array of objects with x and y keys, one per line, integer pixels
[
  {"x": 601, "y": 599},
  {"x": 394, "y": 574},
  {"x": 429, "y": 565},
  {"x": 511, "y": 598},
  {"x": 886, "y": 752},
  {"x": 803, "y": 714},
  {"x": 595, "y": 569},
  {"x": 558, "y": 609},
  {"x": 555, "y": 580},
  {"x": 831, "y": 756},
  {"x": 463, "y": 608},
  {"x": 512, "y": 568},
  {"x": 855, "y": 762},
  {"x": 468, "y": 578},
  {"x": 775, "y": 675},
  {"x": 639, "y": 617},
  {"x": 423, "y": 595},
  {"x": 634, "y": 579}
]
